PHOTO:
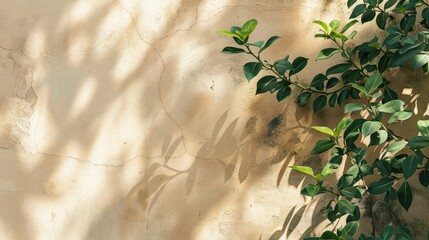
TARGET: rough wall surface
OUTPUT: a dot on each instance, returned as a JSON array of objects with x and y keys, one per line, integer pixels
[{"x": 122, "y": 120}]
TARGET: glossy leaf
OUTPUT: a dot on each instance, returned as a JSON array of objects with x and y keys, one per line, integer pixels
[
  {"x": 349, "y": 229},
  {"x": 418, "y": 142},
  {"x": 423, "y": 127},
  {"x": 409, "y": 166},
  {"x": 283, "y": 93},
  {"x": 303, "y": 98},
  {"x": 372, "y": 83},
  {"x": 392, "y": 106},
  {"x": 319, "y": 103},
  {"x": 370, "y": 127},
  {"x": 381, "y": 186},
  {"x": 251, "y": 69},
  {"x": 368, "y": 16},
  {"x": 265, "y": 84},
  {"x": 387, "y": 233},
  {"x": 232, "y": 50},
  {"x": 324, "y": 130},
  {"x": 424, "y": 177},
  {"x": 348, "y": 25},
  {"x": 339, "y": 68},
  {"x": 353, "y": 107},
  {"x": 304, "y": 169},
  {"x": 327, "y": 53},
  {"x": 322, "y": 146},
  {"x": 419, "y": 60},
  {"x": 396, "y": 146},
  {"x": 323, "y": 25},
  {"x": 297, "y": 65},
  {"x": 358, "y": 10},
  {"x": 269, "y": 42},
  {"x": 381, "y": 19},
  {"x": 405, "y": 195}
]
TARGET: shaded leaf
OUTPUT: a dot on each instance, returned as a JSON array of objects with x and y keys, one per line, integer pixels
[
  {"x": 405, "y": 196},
  {"x": 322, "y": 146},
  {"x": 269, "y": 42},
  {"x": 381, "y": 186},
  {"x": 251, "y": 69}
]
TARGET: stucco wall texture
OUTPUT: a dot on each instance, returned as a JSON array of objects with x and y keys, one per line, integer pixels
[{"x": 122, "y": 120}]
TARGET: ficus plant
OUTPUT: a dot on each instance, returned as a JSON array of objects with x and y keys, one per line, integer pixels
[{"x": 360, "y": 82}]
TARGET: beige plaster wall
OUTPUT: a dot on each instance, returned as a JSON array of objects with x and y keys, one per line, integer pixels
[{"x": 122, "y": 120}]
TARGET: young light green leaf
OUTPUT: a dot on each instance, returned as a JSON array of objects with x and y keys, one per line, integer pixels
[
  {"x": 334, "y": 24},
  {"x": 396, "y": 146},
  {"x": 392, "y": 106},
  {"x": 372, "y": 83},
  {"x": 423, "y": 127},
  {"x": 228, "y": 33},
  {"x": 370, "y": 127},
  {"x": 304, "y": 169},
  {"x": 323, "y": 129},
  {"x": 323, "y": 25},
  {"x": 322, "y": 146},
  {"x": 248, "y": 28},
  {"x": 251, "y": 69},
  {"x": 353, "y": 107},
  {"x": 343, "y": 124},
  {"x": 399, "y": 116},
  {"x": 270, "y": 41}
]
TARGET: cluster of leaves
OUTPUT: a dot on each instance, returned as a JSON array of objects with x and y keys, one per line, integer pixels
[{"x": 362, "y": 74}]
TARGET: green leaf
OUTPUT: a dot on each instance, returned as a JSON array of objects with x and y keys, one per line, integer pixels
[
  {"x": 350, "y": 3},
  {"x": 358, "y": 10},
  {"x": 418, "y": 142},
  {"x": 232, "y": 50},
  {"x": 342, "y": 97},
  {"x": 351, "y": 192},
  {"x": 387, "y": 233},
  {"x": 318, "y": 81},
  {"x": 372, "y": 83},
  {"x": 324, "y": 130},
  {"x": 349, "y": 229},
  {"x": 383, "y": 63},
  {"x": 403, "y": 234},
  {"x": 304, "y": 169},
  {"x": 399, "y": 116},
  {"x": 339, "y": 68},
  {"x": 396, "y": 146},
  {"x": 367, "y": 16},
  {"x": 283, "y": 93},
  {"x": 409, "y": 166},
  {"x": 392, "y": 39},
  {"x": 332, "y": 100},
  {"x": 381, "y": 186},
  {"x": 326, "y": 171},
  {"x": 332, "y": 82},
  {"x": 251, "y": 69},
  {"x": 323, "y": 25},
  {"x": 379, "y": 138},
  {"x": 423, "y": 127},
  {"x": 400, "y": 59},
  {"x": 326, "y": 53},
  {"x": 408, "y": 23},
  {"x": 328, "y": 235},
  {"x": 265, "y": 84},
  {"x": 405, "y": 195},
  {"x": 370, "y": 127},
  {"x": 322, "y": 146},
  {"x": 319, "y": 103},
  {"x": 303, "y": 98},
  {"x": 297, "y": 65},
  {"x": 334, "y": 24},
  {"x": 344, "y": 123},
  {"x": 269, "y": 42},
  {"x": 348, "y": 25},
  {"x": 346, "y": 207},
  {"x": 229, "y": 34},
  {"x": 248, "y": 28},
  {"x": 392, "y": 106},
  {"x": 257, "y": 44},
  {"x": 389, "y": 95},
  {"x": 424, "y": 178},
  {"x": 419, "y": 60},
  {"x": 353, "y": 107},
  {"x": 382, "y": 19},
  {"x": 389, "y": 4},
  {"x": 391, "y": 195},
  {"x": 312, "y": 189}
]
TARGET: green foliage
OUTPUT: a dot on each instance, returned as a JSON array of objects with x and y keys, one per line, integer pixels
[{"x": 362, "y": 73}]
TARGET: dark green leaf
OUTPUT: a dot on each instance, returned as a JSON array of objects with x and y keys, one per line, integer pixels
[
  {"x": 348, "y": 25},
  {"x": 303, "y": 98},
  {"x": 318, "y": 81},
  {"x": 257, "y": 44},
  {"x": 418, "y": 142},
  {"x": 251, "y": 69},
  {"x": 389, "y": 95},
  {"x": 405, "y": 195},
  {"x": 297, "y": 65},
  {"x": 392, "y": 39},
  {"x": 424, "y": 177},
  {"x": 408, "y": 23},
  {"x": 346, "y": 207},
  {"x": 389, "y": 4},
  {"x": 332, "y": 82},
  {"x": 368, "y": 15},
  {"x": 358, "y": 10},
  {"x": 381, "y": 186},
  {"x": 349, "y": 229},
  {"x": 339, "y": 68},
  {"x": 332, "y": 100},
  {"x": 265, "y": 84},
  {"x": 409, "y": 166},
  {"x": 382, "y": 19},
  {"x": 400, "y": 59},
  {"x": 391, "y": 195},
  {"x": 372, "y": 83},
  {"x": 328, "y": 235},
  {"x": 350, "y": 3},
  {"x": 383, "y": 63},
  {"x": 283, "y": 93},
  {"x": 319, "y": 103},
  {"x": 425, "y": 14},
  {"x": 378, "y": 138},
  {"x": 270, "y": 41},
  {"x": 326, "y": 53},
  {"x": 342, "y": 97},
  {"x": 322, "y": 146},
  {"x": 351, "y": 192},
  {"x": 403, "y": 234},
  {"x": 392, "y": 106},
  {"x": 232, "y": 50}
]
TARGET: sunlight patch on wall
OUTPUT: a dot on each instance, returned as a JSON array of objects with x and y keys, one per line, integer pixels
[
  {"x": 83, "y": 97},
  {"x": 36, "y": 43}
]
